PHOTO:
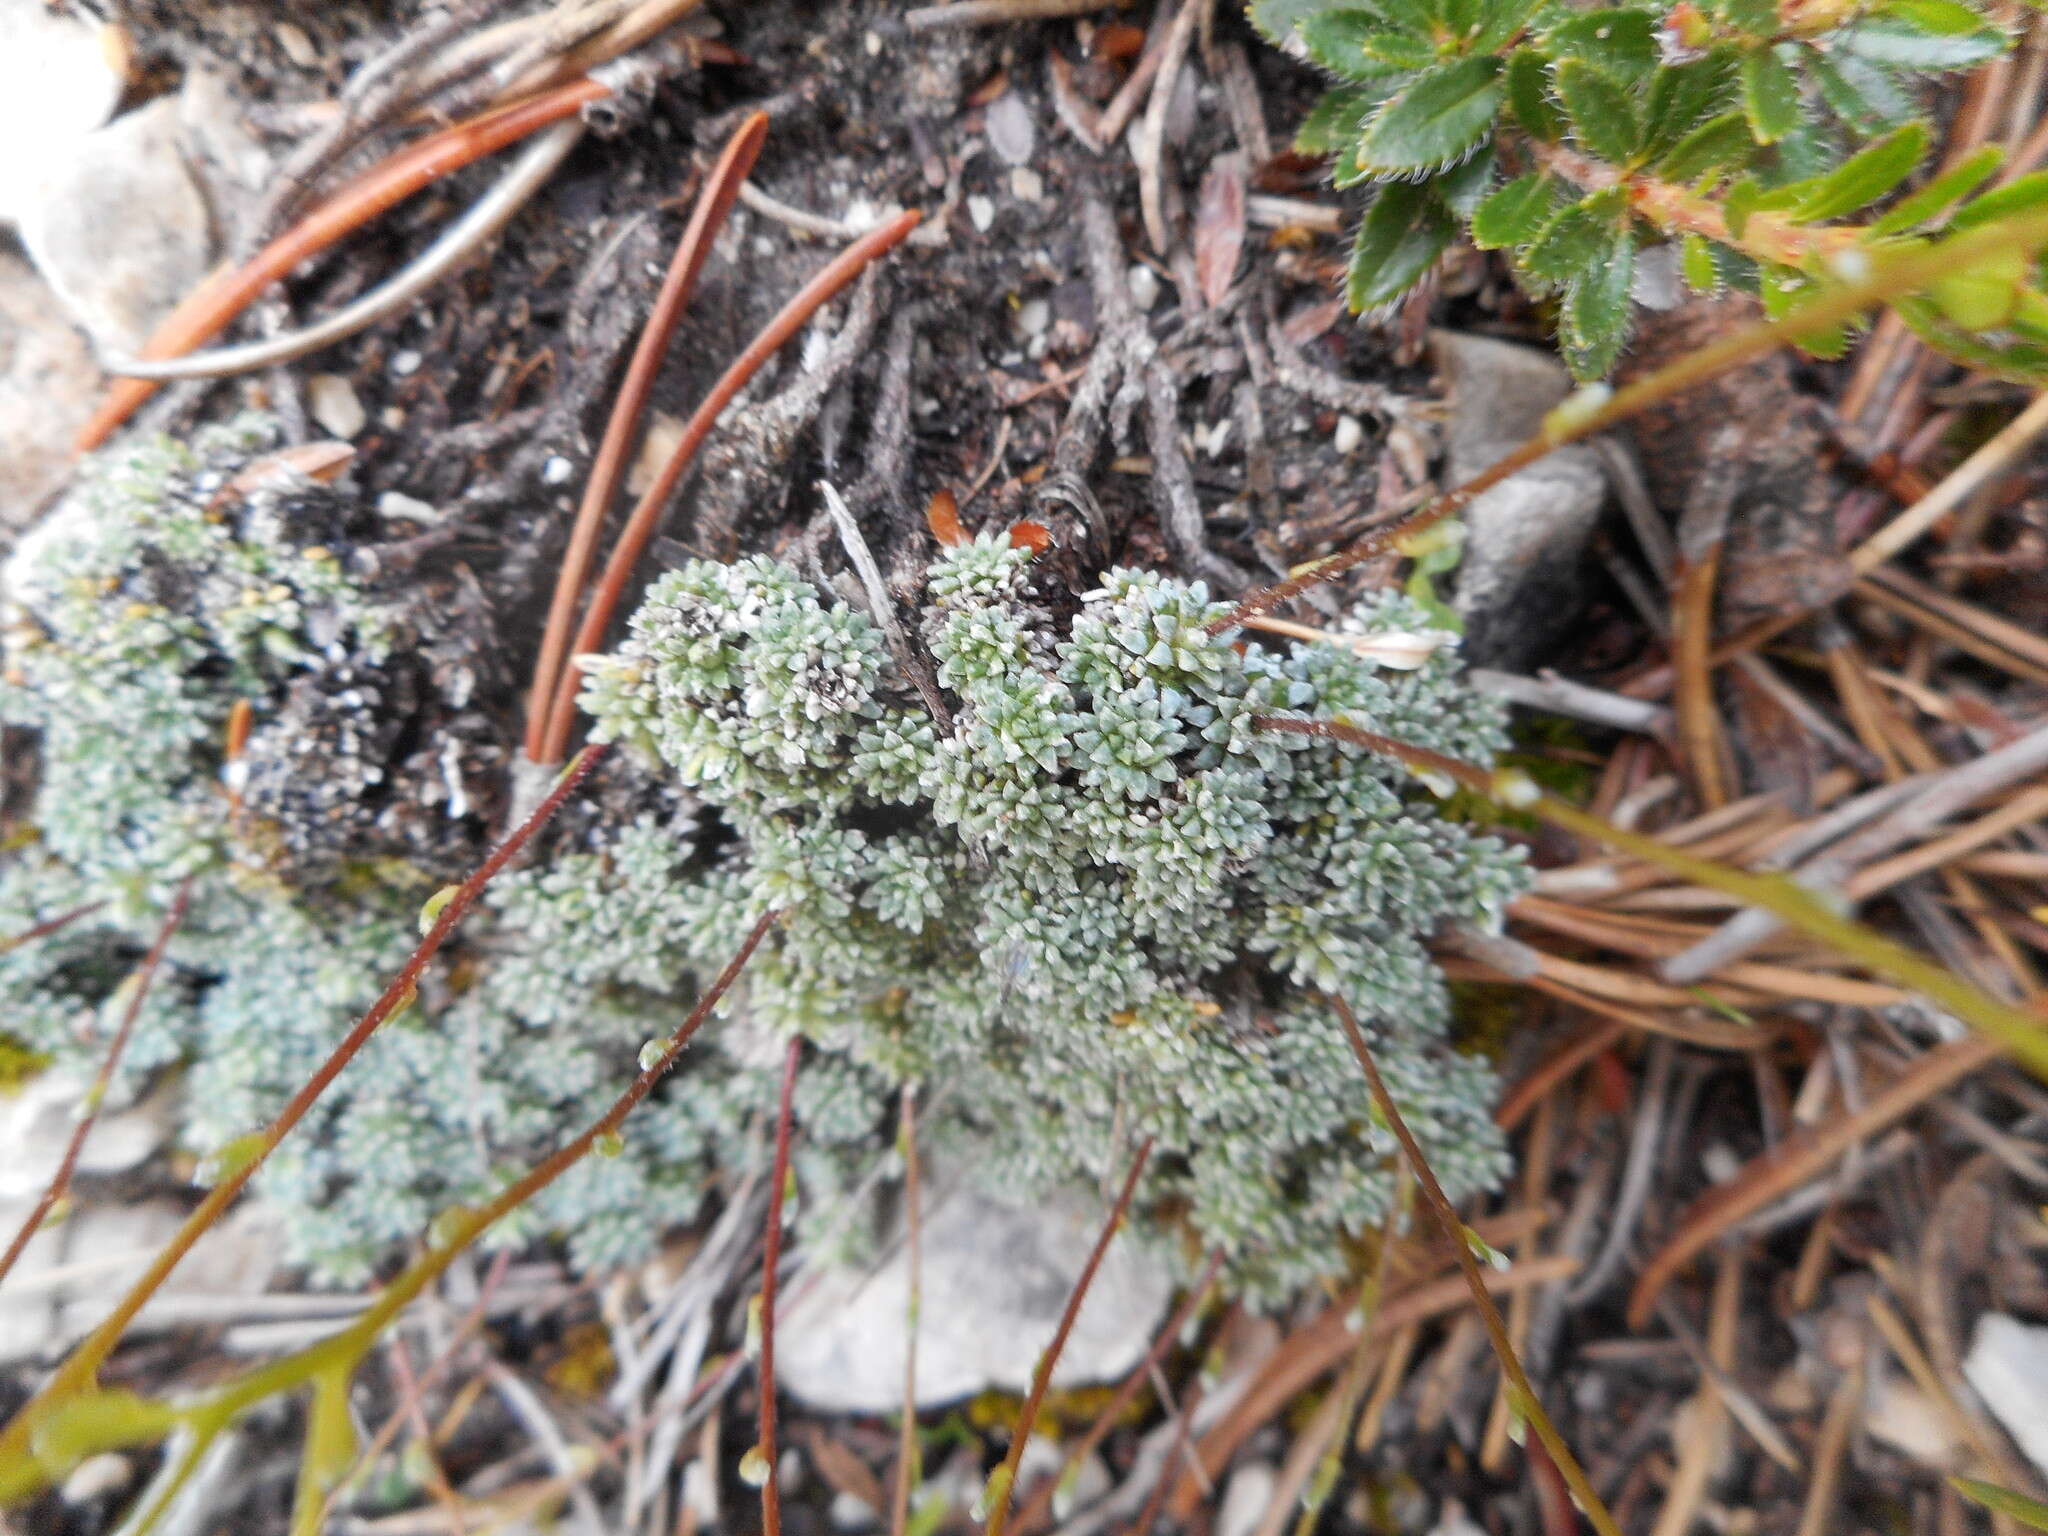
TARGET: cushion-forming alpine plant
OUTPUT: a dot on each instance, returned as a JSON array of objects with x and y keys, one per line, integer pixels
[{"x": 1096, "y": 903}]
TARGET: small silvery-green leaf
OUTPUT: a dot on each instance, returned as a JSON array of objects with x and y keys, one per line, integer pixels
[
  {"x": 1860, "y": 93},
  {"x": 1622, "y": 42},
  {"x": 1514, "y": 214},
  {"x": 1528, "y": 87},
  {"x": 1686, "y": 96},
  {"x": 2022, "y": 194},
  {"x": 1924, "y": 34},
  {"x": 1950, "y": 187},
  {"x": 1696, "y": 263},
  {"x": 1719, "y": 144},
  {"x": 1400, "y": 237},
  {"x": 1439, "y": 116},
  {"x": 1596, "y": 308},
  {"x": 1576, "y": 238},
  {"x": 1338, "y": 119},
  {"x": 1770, "y": 95},
  {"x": 1865, "y": 176},
  {"x": 1360, "y": 46},
  {"x": 1603, "y": 118}
]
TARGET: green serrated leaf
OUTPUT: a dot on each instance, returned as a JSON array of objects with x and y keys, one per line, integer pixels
[
  {"x": 1738, "y": 203},
  {"x": 1336, "y": 122},
  {"x": 1862, "y": 94},
  {"x": 1436, "y": 119},
  {"x": 1528, "y": 86},
  {"x": 1934, "y": 199},
  {"x": 1575, "y": 239},
  {"x": 1684, "y": 97},
  {"x": 1931, "y": 35},
  {"x": 1359, "y": 45},
  {"x": 1464, "y": 186},
  {"x": 1865, "y": 176},
  {"x": 2021, "y": 361},
  {"x": 1620, "y": 41},
  {"x": 1759, "y": 18},
  {"x": 1806, "y": 153},
  {"x": 1984, "y": 295},
  {"x": 1603, "y": 118},
  {"x": 1514, "y": 214},
  {"x": 1720, "y": 144},
  {"x": 1503, "y": 19},
  {"x": 1399, "y": 239},
  {"x": 1697, "y": 265},
  {"x": 1782, "y": 291},
  {"x": 2019, "y": 195},
  {"x": 1770, "y": 95},
  {"x": 2031, "y": 1513},
  {"x": 1596, "y": 309},
  {"x": 1279, "y": 19}
]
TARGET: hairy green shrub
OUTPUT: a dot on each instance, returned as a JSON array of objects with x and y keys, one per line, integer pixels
[
  {"x": 1095, "y": 903},
  {"x": 1573, "y": 136}
]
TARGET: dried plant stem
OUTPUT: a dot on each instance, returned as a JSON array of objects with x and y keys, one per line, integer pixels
[
  {"x": 714, "y": 204},
  {"x": 138, "y": 990},
  {"x": 18, "y": 1469},
  {"x": 48, "y": 926},
  {"x": 646, "y": 516},
  {"x": 989, "y": 13},
  {"x": 1523, "y": 1394},
  {"x": 1003, "y": 1479},
  {"x": 1593, "y": 412},
  {"x": 1961, "y": 483},
  {"x": 210, "y": 307},
  {"x": 771, "y": 1261}
]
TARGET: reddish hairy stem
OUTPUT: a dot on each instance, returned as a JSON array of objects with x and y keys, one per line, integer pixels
[
  {"x": 81, "y": 1368},
  {"x": 116, "y": 1049},
  {"x": 1033, "y": 1514},
  {"x": 771, "y": 1260},
  {"x": 1002, "y": 1484},
  {"x": 214, "y": 304},
  {"x": 714, "y": 203},
  {"x": 48, "y": 926},
  {"x": 639, "y": 529}
]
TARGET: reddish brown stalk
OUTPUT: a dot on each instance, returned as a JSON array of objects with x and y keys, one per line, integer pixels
[
  {"x": 48, "y": 926},
  {"x": 1004, "y": 1480},
  {"x": 1039, "y": 1505},
  {"x": 1454, "y": 1233},
  {"x": 116, "y": 1048},
  {"x": 771, "y": 1260},
  {"x": 646, "y": 517},
  {"x": 913, "y": 1226},
  {"x": 714, "y": 204},
  {"x": 1555, "y": 1070},
  {"x": 214, "y": 304},
  {"x": 81, "y": 1368}
]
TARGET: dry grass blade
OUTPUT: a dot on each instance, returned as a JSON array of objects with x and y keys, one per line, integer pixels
[
  {"x": 209, "y": 309},
  {"x": 1003, "y": 1479},
  {"x": 138, "y": 992},
  {"x": 1454, "y": 1232},
  {"x": 908, "y": 1471}
]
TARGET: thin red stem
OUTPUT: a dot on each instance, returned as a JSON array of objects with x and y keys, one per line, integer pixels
[
  {"x": 721, "y": 189},
  {"x": 771, "y": 1260},
  {"x": 213, "y": 305},
  {"x": 1001, "y": 1485},
  {"x": 639, "y": 529},
  {"x": 48, "y": 926},
  {"x": 96, "y": 1095}
]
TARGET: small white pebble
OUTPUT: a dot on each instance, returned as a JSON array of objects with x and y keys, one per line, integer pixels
[
  {"x": 1719, "y": 1162},
  {"x": 1349, "y": 434},
  {"x": 556, "y": 471},
  {"x": 334, "y": 405},
  {"x": 396, "y": 504},
  {"x": 873, "y": 43},
  {"x": 850, "y": 1512},
  {"x": 405, "y": 364},
  {"x": 981, "y": 212},
  {"x": 1026, "y": 185},
  {"x": 392, "y": 417},
  {"x": 1144, "y": 286},
  {"x": 1033, "y": 316},
  {"x": 1012, "y": 133},
  {"x": 1218, "y": 436}
]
